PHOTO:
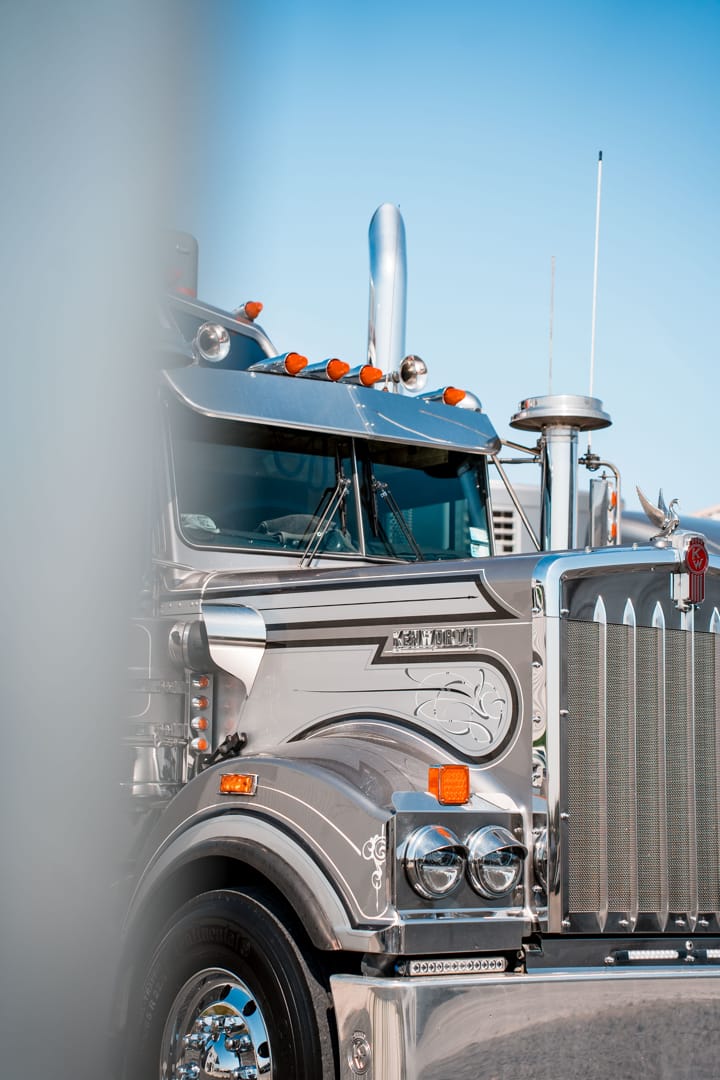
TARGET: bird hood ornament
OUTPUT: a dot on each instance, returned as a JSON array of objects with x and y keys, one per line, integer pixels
[{"x": 662, "y": 516}]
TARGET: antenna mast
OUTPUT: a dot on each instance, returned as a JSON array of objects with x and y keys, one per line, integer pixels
[
  {"x": 552, "y": 312},
  {"x": 595, "y": 280}
]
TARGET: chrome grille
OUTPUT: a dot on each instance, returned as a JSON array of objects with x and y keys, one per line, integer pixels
[{"x": 641, "y": 776}]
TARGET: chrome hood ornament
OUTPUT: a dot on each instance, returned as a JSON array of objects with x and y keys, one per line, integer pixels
[{"x": 663, "y": 516}]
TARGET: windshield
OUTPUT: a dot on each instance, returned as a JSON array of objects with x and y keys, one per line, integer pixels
[
  {"x": 249, "y": 486},
  {"x": 422, "y": 502}
]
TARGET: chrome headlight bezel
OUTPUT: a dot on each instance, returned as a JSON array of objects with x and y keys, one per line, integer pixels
[
  {"x": 495, "y": 861},
  {"x": 434, "y": 861}
]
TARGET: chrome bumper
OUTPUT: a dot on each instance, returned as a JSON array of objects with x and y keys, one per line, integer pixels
[{"x": 588, "y": 1023}]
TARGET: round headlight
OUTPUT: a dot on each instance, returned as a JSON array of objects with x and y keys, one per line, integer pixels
[
  {"x": 212, "y": 342},
  {"x": 495, "y": 861},
  {"x": 434, "y": 861}
]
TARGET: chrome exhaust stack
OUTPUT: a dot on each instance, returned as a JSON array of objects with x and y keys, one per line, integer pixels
[
  {"x": 559, "y": 418},
  {"x": 388, "y": 289}
]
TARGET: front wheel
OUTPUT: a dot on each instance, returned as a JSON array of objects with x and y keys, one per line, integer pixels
[{"x": 230, "y": 994}]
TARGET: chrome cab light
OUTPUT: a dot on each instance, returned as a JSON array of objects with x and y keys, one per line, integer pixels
[
  {"x": 434, "y": 861},
  {"x": 495, "y": 861},
  {"x": 413, "y": 373},
  {"x": 212, "y": 343}
]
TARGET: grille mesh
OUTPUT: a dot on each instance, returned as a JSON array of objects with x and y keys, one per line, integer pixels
[{"x": 643, "y": 772}]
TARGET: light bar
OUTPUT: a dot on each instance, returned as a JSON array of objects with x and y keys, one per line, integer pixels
[
  {"x": 289, "y": 363},
  {"x": 465, "y": 965},
  {"x": 643, "y": 956}
]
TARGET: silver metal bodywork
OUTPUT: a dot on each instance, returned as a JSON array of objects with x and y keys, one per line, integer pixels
[
  {"x": 580, "y": 690},
  {"x": 545, "y": 1025}
]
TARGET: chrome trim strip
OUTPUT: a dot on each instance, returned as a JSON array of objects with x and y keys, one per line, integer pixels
[
  {"x": 630, "y": 621},
  {"x": 554, "y": 758},
  {"x": 600, "y": 617},
  {"x": 659, "y": 624},
  {"x": 688, "y": 624},
  {"x": 715, "y": 630}
]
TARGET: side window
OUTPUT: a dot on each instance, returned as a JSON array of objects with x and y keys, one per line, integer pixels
[{"x": 243, "y": 485}]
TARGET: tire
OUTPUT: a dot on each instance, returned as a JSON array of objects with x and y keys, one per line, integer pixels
[{"x": 228, "y": 993}]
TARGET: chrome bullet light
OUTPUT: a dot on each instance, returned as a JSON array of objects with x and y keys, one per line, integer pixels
[
  {"x": 212, "y": 343},
  {"x": 495, "y": 861},
  {"x": 434, "y": 861},
  {"x": 413, "y": 373}
]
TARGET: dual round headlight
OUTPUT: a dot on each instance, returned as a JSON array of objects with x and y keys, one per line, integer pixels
[{"x": 435, "y": 861}]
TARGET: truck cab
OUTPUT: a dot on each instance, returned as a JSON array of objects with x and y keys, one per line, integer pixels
[{"x": 402, "y": 801}]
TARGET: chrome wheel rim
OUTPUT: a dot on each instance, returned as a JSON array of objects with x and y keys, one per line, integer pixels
[{"x": 215, "y": 1030}]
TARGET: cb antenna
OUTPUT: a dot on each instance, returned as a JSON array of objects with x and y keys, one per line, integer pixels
[
  {"x": 552, "y": 312},
  {"x": 595, "y": 281}
]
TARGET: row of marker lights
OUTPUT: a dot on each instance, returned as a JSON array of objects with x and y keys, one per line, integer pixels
[
  {"x": 213, "y": 343},
  {"x": 199, "y": 722}
]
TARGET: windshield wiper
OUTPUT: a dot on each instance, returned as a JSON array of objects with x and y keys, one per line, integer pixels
[
  {"x": 335, "y": 502},
  {"x": 378, "y": 487}
]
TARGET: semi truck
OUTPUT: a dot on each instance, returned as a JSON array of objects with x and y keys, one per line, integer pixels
[{"x": 405, "y": 807}]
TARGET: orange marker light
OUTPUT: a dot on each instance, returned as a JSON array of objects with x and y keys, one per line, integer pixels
[
  {"x": 238, "y": 783},
  {"x": 294, "y": 362},
  {"x": 201, "y": 682},
  {"x": 336, "y": 369},
  {"x": 450, "y": 784},
  {"x": 369, "y": 375},
  {"x": 200, "y": 703},
  {"x": 252, "y": 308},
  {"x": 200, "y": 723},
  {"x": 453, "y": 396},
  {"x": 200, "y": 746}
]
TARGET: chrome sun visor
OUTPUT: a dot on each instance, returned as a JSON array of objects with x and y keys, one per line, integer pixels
[{"x": 344, "y": 409}]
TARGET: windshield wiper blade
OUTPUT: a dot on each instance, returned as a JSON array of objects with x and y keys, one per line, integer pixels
[
  {"x": 336, "y": 500},
  {"x": 380, "y": 488}
]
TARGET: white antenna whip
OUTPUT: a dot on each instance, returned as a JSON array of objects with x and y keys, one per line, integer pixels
[
  {"x": 552, "y": 311},
  {"x": 595, "y": 279},
  {"x": 595, "y": 274}
]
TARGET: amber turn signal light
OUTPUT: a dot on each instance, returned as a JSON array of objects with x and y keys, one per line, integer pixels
[
  {"x": 369, "y": 375},
  {"x": 453, "y": 396},
  {"x": 238, "y": 783},
  {"x": 336, "y": 369},
  {"x": 450, "y": 784},
  {"x": 294, "y": 362}
]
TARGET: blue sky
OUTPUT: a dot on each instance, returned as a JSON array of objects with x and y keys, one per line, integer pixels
[{"x": 483, "y": 123}]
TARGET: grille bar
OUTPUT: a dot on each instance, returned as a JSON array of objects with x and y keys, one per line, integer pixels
[{"x": 642, "y": 775}]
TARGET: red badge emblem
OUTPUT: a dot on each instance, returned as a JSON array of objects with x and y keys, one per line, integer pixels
[{"x": 696, "y": 561}]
